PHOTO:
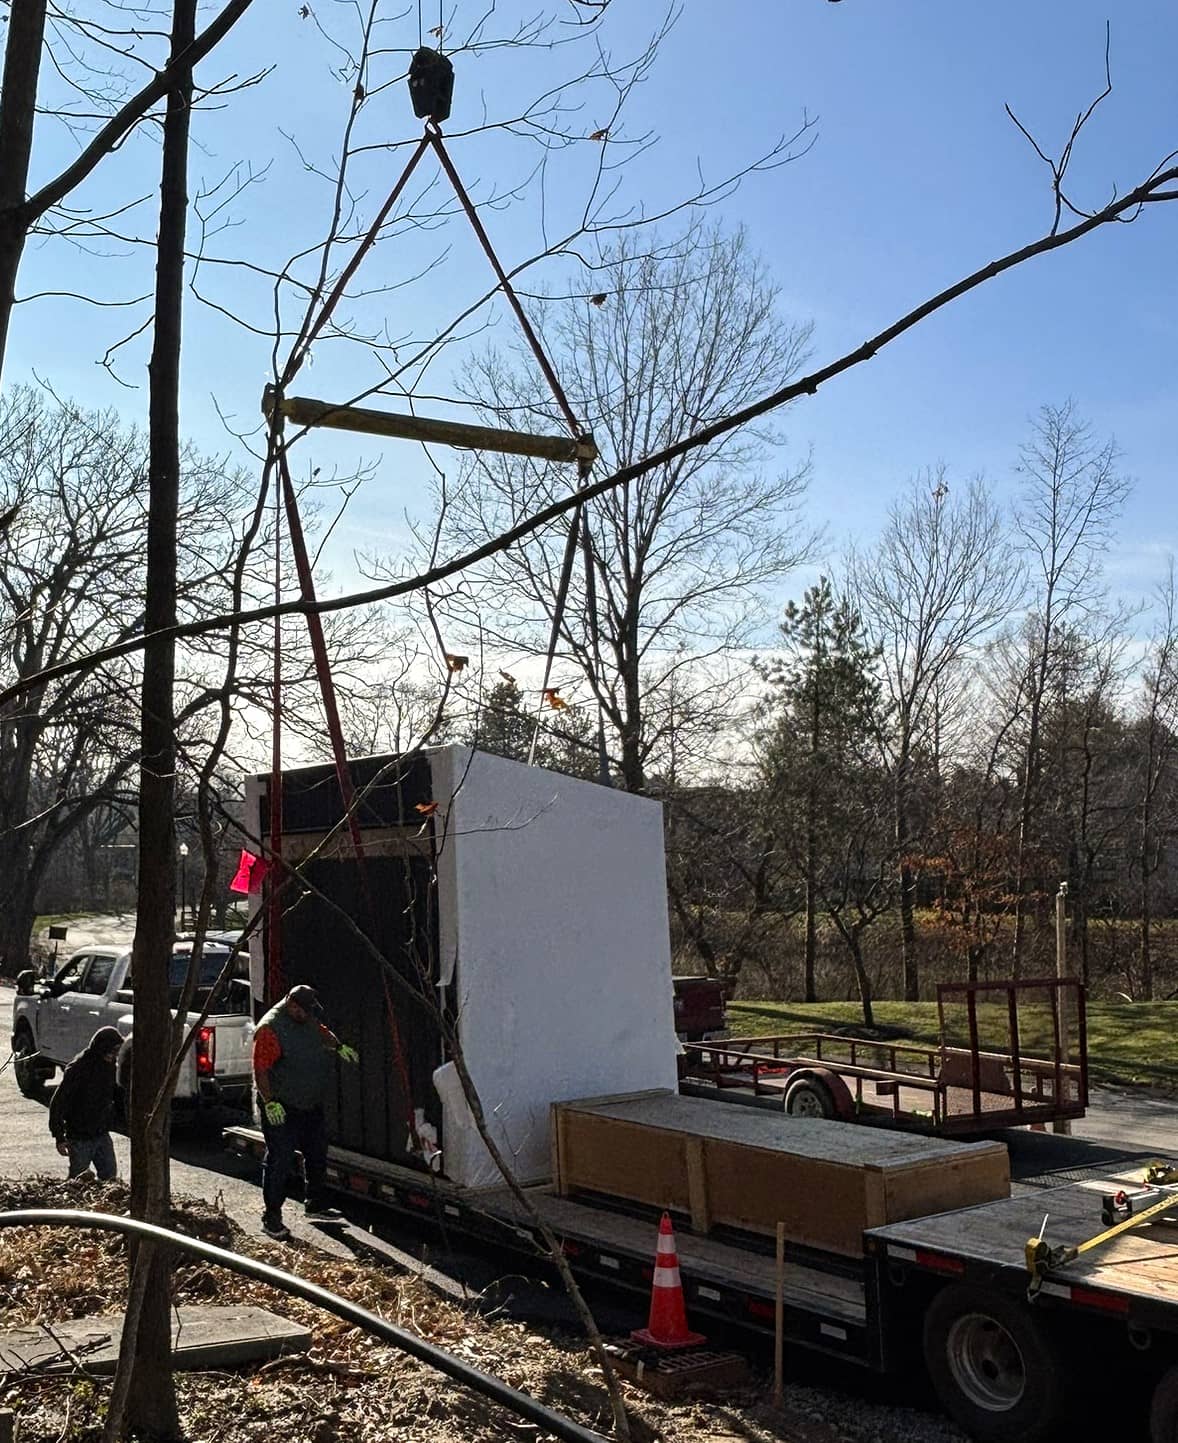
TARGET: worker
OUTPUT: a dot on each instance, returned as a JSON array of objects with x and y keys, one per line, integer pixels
[
  {"x": 82, "y": 1109},
  {"x": 293, "y": 1052}
]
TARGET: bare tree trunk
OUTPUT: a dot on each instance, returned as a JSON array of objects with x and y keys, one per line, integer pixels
[
  {"x": 809, "y": 959},
  {"x": 862, "y": 978},
  {"x": 144, "y": 1390},
  {"x": 1029, "y": 796},
  {"x": 17, "y": 911},
  {"x": 1145, "y": 951},
  {"x": 909, "y": 964},
  {"x": 810, "y": 950},
  {"x": 633, "y": 771},
  {"x": 18, "y": 109}
]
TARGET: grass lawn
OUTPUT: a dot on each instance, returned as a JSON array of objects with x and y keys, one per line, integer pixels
[{"x": 1133, "y": 1042}]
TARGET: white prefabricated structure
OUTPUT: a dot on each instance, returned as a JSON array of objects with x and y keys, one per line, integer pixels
[{"x": 526, "y": 914}]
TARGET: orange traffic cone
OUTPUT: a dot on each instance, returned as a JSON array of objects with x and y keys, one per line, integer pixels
[{"x": 668, "y": 1313}]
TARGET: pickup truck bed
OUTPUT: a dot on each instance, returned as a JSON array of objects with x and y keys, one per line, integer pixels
[{"x": 52, "y": 1022}]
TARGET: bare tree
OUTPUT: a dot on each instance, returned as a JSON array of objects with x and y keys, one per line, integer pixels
[
  {"x": 937, "y": 582},
  {"x": 1157, "y": 785},
  {"x": 114, "y": 111},
  {"x": 71, "y": 483},
  {"x": 1085, "y": 809},
  {"x": 680, "y": 557},
  {"x": 1071, "y": 500},
  {"x": 143, "y": 1398}
]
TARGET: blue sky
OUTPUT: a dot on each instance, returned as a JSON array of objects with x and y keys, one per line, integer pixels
[{"x": 917, "y": 176}]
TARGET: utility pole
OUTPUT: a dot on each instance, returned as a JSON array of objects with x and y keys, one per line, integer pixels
[{"x": 1062, "y": 1125}]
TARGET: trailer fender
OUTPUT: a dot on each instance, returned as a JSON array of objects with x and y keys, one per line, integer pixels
[{"x": 818, "y": 1092}]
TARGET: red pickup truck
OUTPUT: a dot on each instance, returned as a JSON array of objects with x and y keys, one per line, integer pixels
[{"x": 700, "y": 1008}]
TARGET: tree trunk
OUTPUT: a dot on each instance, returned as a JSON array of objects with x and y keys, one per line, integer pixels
[
  {"x": 1145, "y": 951},
  {"x": 809, "y": 960},
  {"x": 862, "y": 980},
  {"x": 633, "y": 773},
  {"x": 809, "y": 988},
  {"x": 144, "y": 1395},
  {"x": 1020, "y": 886},
  {"x": 17, "y": 910},
  {"x": 1029, "y": 797},
  {"x": 1080, "y": 935},
  {"x": 909, "y": 964},
  {"x": 18, "y": 109}
]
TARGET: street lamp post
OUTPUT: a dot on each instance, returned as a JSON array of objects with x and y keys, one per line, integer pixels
[{"x": 183, "y": 883}]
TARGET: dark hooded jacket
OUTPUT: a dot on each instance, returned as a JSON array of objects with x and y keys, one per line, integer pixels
[{"x": 84, "y": 1104}]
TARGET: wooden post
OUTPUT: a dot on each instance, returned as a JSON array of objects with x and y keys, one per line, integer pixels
[
  {"x": 697, "y": 1186},
  {"x": 779, "y": 1322}
]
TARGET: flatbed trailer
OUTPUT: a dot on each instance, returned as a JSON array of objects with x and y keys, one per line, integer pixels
[{"x": 948, "y": 1292}]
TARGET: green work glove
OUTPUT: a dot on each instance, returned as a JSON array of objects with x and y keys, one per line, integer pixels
[
  {"x": 275, "y": 1114},
  {"x": 349, "y": 1054}
]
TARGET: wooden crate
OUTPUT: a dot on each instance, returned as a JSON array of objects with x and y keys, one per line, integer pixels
[{"x": 720, "y": 1163}]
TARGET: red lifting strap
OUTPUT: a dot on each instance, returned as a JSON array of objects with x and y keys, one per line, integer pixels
[{"x": 342, "y": 770}]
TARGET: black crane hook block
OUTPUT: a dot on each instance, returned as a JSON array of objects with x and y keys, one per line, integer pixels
[{"x": 431, "y": 85}]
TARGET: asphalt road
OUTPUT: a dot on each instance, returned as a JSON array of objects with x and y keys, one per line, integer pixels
[{"x": 202, "y": 1167}]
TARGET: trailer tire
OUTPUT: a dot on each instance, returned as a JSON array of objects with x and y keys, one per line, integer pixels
[
  {"x": 808, "y": 1096},
  {"x": 993, "y": 1368},
  {"x": 818, "y": 1092},
  {"x": 31, "y": 1073},
  {"x": 1163, "y": 1411}
]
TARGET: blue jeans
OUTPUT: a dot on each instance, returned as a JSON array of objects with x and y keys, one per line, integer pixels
[
  {"x": 97, "y": 1150},
  {"x": 303, "y": 1131}
]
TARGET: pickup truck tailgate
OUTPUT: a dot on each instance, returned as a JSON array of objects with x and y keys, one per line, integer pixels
[{"x": 232, "y": 1045}]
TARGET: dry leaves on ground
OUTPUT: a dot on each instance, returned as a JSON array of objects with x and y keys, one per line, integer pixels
[{"x": 349, "y": 1386}]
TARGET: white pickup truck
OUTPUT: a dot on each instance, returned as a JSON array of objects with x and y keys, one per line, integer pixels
[{"x": 52, "y": 1021}]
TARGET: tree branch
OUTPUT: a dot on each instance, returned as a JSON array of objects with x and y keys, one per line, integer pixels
[{"x": 807, "y": 385}]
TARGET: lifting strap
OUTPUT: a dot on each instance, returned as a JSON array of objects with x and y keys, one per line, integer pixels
[
  {"x": 342, "y": 770},
  {"x": 578, "y": 533}
]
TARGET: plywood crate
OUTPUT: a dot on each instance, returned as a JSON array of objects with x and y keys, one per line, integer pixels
[{"x": 723, "y": 1164}]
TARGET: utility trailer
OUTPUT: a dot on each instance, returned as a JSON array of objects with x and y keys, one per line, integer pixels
[
  {"x": 1010, "y": 1054},
  {"x": 533, "y": 907}
]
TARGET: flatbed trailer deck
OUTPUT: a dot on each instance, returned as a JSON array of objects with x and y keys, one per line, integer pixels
[
  {"x": 945, "y": 1286},
  {"x": 1134, "y": 1275},
  {"x": 729, "y": 1279}
]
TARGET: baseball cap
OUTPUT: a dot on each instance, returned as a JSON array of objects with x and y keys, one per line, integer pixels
[{"x": 306, "y": 998}]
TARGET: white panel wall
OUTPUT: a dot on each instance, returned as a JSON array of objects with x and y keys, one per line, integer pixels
[{"x": 553, "y": 907}]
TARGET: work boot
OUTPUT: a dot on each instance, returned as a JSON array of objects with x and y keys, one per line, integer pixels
[
  {"x": 322, "y": 1212},
  {"x": 274, "y": 1227}
]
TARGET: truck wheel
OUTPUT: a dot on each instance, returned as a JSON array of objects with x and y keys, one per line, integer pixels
[
  {"x": 1163, "y": 1412},
  {"x": 31, "y": 1073},
  {"x": 992, "y": 1367},
  {"x": 809, "y": 1097}
]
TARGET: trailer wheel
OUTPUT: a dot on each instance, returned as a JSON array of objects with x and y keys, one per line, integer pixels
[
  {"x": 809, "y": 1096},
  {"x": 1163, "y": 1412},
  {"x": 31, "y": 1073},
  {"x": 992, "y": 1367}
]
